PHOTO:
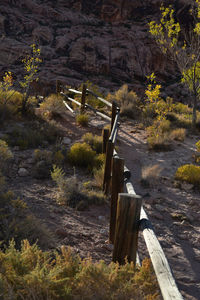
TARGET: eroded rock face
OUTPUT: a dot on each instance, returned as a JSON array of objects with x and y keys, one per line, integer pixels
[{"x": 104, "y": 41}]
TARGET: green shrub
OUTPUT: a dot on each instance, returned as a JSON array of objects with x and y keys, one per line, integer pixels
[
  {"x": 82, "y": 119},
  {"x": 95, "y": 141},
  {"x": 189, "y": 173},
  {"x": 82, "y": 155},
  {"x": 159, "y": 135},
  {"x": 33, "y": 274},
  {"x": 198, "y": 146}
]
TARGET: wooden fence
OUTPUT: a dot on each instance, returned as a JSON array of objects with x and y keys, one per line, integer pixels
[{"x": 127, "y": 215}]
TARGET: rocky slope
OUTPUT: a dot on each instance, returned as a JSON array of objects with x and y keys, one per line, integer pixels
[{"x": 104, "y": 41}]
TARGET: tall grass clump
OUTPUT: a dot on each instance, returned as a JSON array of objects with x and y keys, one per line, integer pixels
[
  {"x": 130, "y": 104},
  {"x": 82, "y": 119}
]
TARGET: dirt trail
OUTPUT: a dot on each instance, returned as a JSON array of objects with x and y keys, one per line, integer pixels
[{"x": 174, "y": 212}]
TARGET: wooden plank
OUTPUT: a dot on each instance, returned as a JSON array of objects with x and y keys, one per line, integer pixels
[
  {"x": 74, "y": 91},
  {"x": 159, "y": 261},
  {"x": 99, "y": 98},
  {"x": 58, "y": 86},
  {"x": 160, "y": 264},
  {"x": 68, "y": 107},
  {"x": 127, "y": 226},
  {"x": 114, "y": 126},
  {"x": 70, "y": 99},
  {"x": 117, "y": 186}
]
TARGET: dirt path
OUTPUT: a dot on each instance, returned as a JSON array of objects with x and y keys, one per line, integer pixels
[{"x": 173, "y": 211}]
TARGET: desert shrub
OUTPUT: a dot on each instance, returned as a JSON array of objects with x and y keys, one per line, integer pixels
[
  {"x": 95, "y": 141},
  {"x": 99, "y": 161},
  {"x": 189, "y": 173},
  {"x": 69, "y": 190},
  {"x": 18, "y": 223},
  {"x": 159, "y": 135},
  {"x": 52, "y": 106},
  {"x": 181, "y": 108},
  {"x": 33, "y": 274},
  {"x": 5, "y": 154},
  {"x": 198, "y": 146},
  {"x": 151, "y": 175},
  {"x": 82, "y": 119},
  {"x": 25, "y": 137},
  {"x": 130, "y": 104},
  {"x": 178, "y": 134},
  {"x": 82, "y": 155},
  {"x": 45, "y": 155}
]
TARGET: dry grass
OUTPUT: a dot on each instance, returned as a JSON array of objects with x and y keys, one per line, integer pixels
[{"x": 151, "y": 175}]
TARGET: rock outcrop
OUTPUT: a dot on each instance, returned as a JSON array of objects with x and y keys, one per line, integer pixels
[{"x": 104, "y": 41}]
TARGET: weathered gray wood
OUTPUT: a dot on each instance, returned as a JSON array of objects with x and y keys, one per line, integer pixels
[
  {"x": 114, "y": 126},
  {"x": 75, "y": 91},
  {"x": 68, "y": 107},
  {"x": 70, "y": 99},
  {"x": 83, "y": 96},
  {"x": 161, "y": 266},
  {"x": 107, "y": 170},
  {"x": 99, "y": 98},
  {"x": 127, "y": 226},
  {"x": 105, "y": 135},
  {"x": 117, "y": 186}
]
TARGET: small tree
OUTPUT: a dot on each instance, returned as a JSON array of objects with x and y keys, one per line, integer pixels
[
  {"x": 31, "y": 66},
  {"x": 5, "y": 91},
  {"x": 183, "y": 46}
]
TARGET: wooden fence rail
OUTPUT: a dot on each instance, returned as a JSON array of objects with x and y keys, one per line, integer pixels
[{"x": 127, "y": 214}]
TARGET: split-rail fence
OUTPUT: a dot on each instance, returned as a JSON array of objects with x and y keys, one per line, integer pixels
[{"x": 127, "y": 215}]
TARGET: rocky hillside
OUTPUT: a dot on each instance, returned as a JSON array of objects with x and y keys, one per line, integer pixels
[{"x": 104, "y": 41}]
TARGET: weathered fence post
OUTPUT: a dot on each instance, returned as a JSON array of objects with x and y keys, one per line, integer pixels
[
  {"x": 117, "y": 186},
  {"x": 127, "y": 226},
  {"x": 106, "y": 134},
  {"x": 108, "y": 163},
  {"x": 58, "y": 86},
  {"x": 114, "y": 112},
  {"x": 83, "y": 98}
]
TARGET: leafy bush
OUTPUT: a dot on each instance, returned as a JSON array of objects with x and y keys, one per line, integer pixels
[
  {"x": 189, "y": 173},
  {"x": 82, "y": 155},
  {"x": 33, "y": 274},
  {"x": 82, "y": 119},
  {"x": 130, "y": 104},
  {"x": 52, "y": 106},
  {"x": 95, "y": 141}
]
